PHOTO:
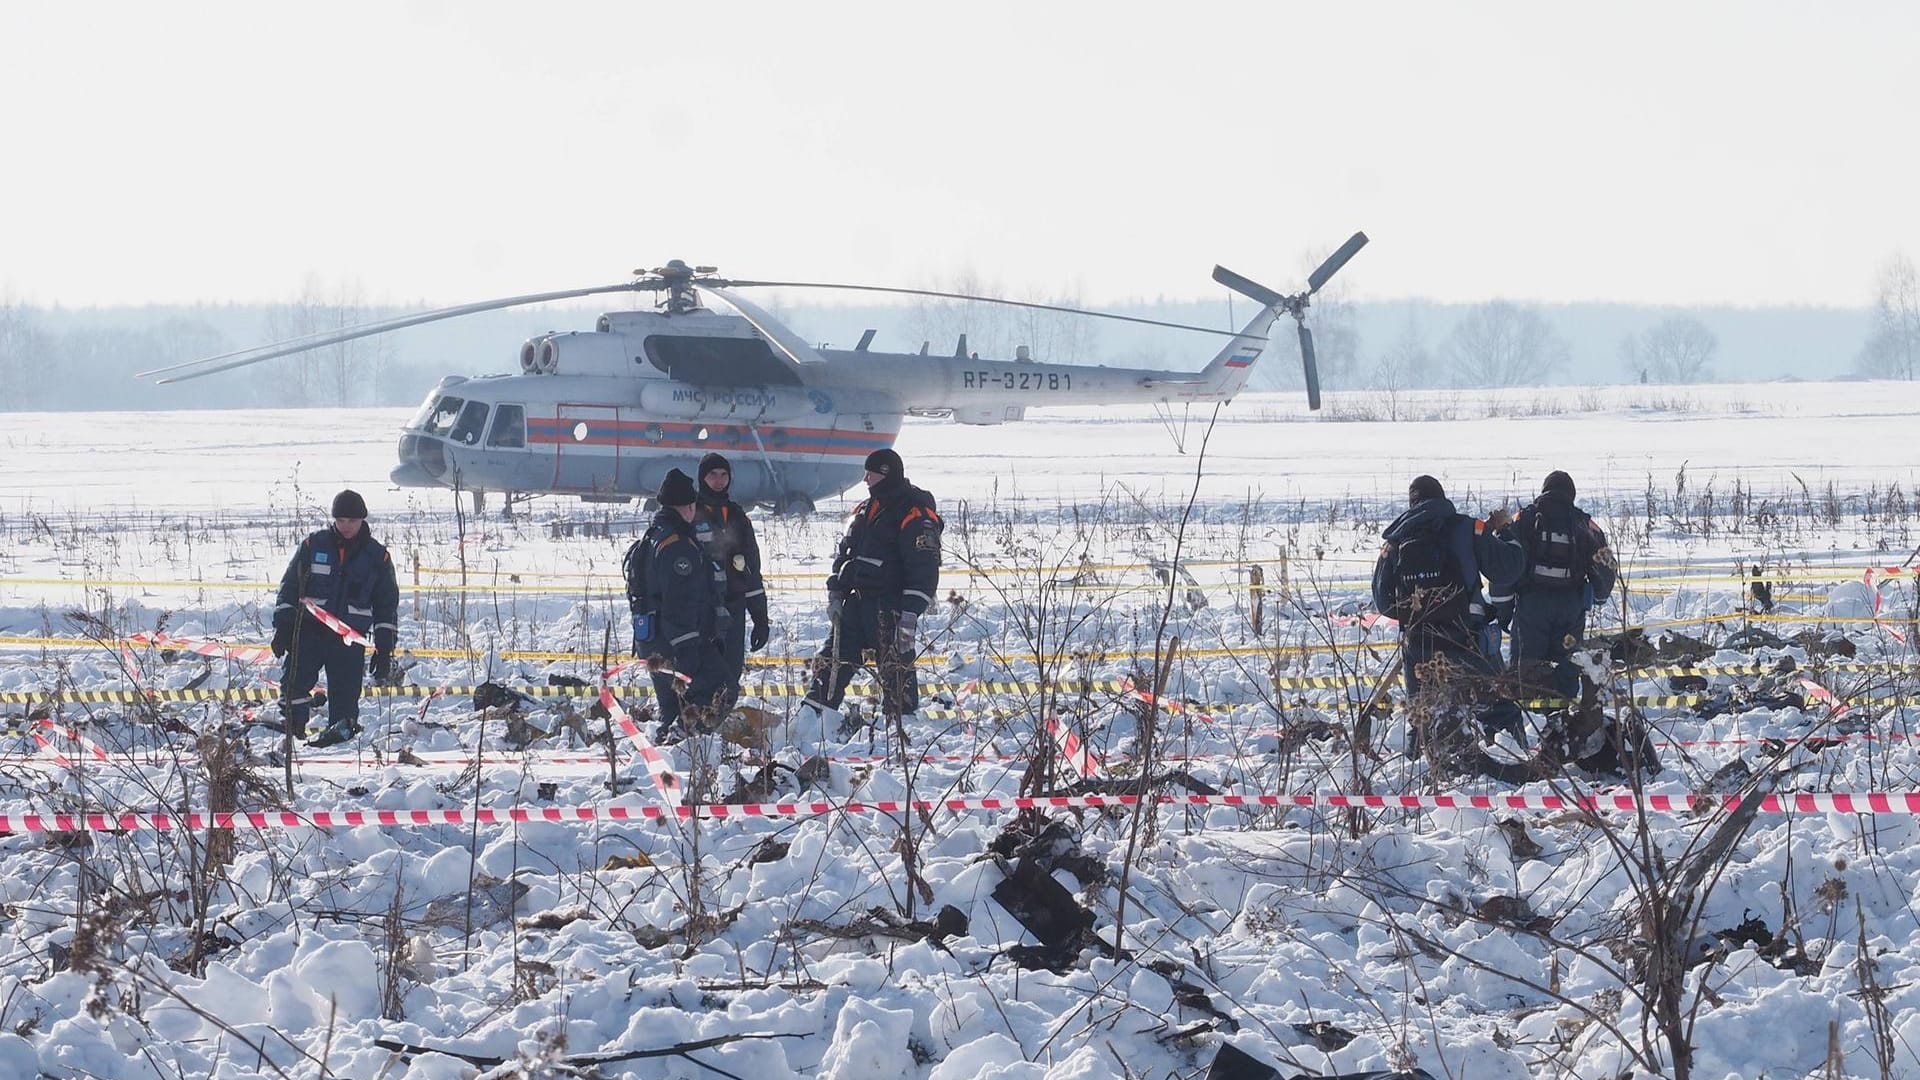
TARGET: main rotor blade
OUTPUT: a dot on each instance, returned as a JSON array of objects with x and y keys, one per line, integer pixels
[
  {"x": 797, "y": 350},
  {"x": 1334, "y": 262},
  {"x": 243, "y": 357},
  {"x": 1309, "y": 367},
  {"x": 979, "y": 299}
]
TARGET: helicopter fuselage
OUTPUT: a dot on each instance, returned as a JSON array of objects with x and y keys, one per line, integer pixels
[{"x": 605, "y": 414}]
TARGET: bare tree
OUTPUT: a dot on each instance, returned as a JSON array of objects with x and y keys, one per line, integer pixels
[
  {"x": 1501, "y": 343},
  {"x": 1678, "y": 350},
  {"x": 347, "y": 373},
  {"x": 1406, "y": 363},
  {"x": 996, "y": 330},
  {"x": 23, "y": 346},
  {"x": 1893, "y": 350}
]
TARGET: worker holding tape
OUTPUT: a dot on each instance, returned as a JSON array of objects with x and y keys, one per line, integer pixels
[{"x": 338, "y": 592}]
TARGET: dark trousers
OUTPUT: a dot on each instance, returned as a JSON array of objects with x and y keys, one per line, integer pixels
[
  {"x": 1458, "y": 652},
  {"x": 317, "y": 649},
  {"x": 700, "y": 661},
  {"x": 733, "y": 647},
  {"x": 1547, "y": 626},
  {"x": 865, "y": 628}
]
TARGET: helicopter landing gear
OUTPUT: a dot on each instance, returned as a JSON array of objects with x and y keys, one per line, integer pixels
[
  {"x": 479, "y": 503},
  {"x": 793, "y": 505}
]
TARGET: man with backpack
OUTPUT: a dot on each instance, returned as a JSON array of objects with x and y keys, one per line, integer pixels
[
  {"x": 677, "y": 597},
  {"x": 1568, "y": 569},
  {"x": 1428, "y": 579}
]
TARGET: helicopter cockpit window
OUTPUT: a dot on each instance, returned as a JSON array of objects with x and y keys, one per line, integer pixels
[
  {"x": 509, "y": 427},
  {"x": 473, "y": 421},
  {"x": 439, "y": 418},
  {"x": 720, "y": 361}
]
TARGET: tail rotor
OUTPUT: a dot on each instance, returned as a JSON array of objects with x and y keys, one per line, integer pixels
[{"x": 1296, "y": 305}]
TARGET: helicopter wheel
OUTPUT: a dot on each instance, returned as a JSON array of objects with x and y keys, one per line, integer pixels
[{"x": 794, "y": 505}]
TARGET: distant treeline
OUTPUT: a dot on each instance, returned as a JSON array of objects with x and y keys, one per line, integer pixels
[{"x": 85, "y": 358}]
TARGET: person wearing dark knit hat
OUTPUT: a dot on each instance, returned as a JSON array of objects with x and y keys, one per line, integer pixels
[
  {"x": 726, "y": 532},
  {"x": 1428, "y": 578},
  {"x": 349, "y": 504},
  {"x": 347, "y": 574},
  {"x": 886, "y": 573},
  {"x": 675, "y": 597},
  {"x": 1569, "y": 569}
]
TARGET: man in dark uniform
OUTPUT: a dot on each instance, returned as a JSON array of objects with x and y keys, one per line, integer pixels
[
  {"x": 1428, "y": 577},
  {"x": 884, "y": 578},
  {"x": 676, "y": 595},
  {"x": 347, "y": 573},
  {"x": 1568, "y": 569},
  {"x": 726, "y": 534}
]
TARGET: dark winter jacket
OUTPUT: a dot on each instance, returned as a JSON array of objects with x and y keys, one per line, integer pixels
[
  {"x": 1479, "y": 552},
  {"x": 669, "y": 574},
  {"x": 1589, "y": 540},
  {"x": 891, "y": 553},
  {"x": 726, "y": 533},
  {"x": 353, "y": 580}
]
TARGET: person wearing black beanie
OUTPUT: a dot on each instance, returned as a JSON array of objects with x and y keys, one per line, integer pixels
[
  {"x": 1424, "y": 487},
  {"x": 675, "y": 595},
  {"x": 726, "y": 532},
  {"x": 344, "y": 573},
  {"x": 1569, "y": 570},
  {"x": 1428, "y": 579},
  {"x": 885, "y": 576}
]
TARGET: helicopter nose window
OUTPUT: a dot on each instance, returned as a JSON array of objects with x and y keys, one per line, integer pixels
[
  {"x": 509, "y": 427},
  {"x": 473, "y": 421},
  {"x": 440, "y": 418},
  {"x": 580, "y": 431}
]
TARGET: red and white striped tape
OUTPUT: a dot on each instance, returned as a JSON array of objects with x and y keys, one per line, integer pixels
[
  {"x": 46, "y": 745},
  {"x": 249, "y": 654},
  {"x": 1179, "y": 708},
  {"x": 332, "y": 622},
  {"x": 1075, "y": 751},
  {"x": 1885, "y": 571},
  {"x": 1882, "y": 803},
  {"x": 657, "y": 765}
]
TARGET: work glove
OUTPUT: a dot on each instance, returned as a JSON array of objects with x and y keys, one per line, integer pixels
[
  {"x": 905, "y": 623},
  {"x": 1498, "y": 519},
  {"x": 383, "y": 639},
  {"x": 380, "y": 665},
  {"x": 282, "y": 637},
  {"x": 762, "y": 628}
]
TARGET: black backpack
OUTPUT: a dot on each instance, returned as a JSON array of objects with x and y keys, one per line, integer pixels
[
  {"x": 634, "y": 567},
  {"x": 1557, "y": 546},
  {"x": 1430, "y": 587}
]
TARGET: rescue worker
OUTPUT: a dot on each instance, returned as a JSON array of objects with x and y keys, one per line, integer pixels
[
  {"x": 726, "y": 534},
  {"x": 1428, "y": 577},
  {"x": 348, "y": 574},
  {"x": 676, "y": 596},
  {"x": 1568, "y": 568},
  {"x": 884, "y": 578}
]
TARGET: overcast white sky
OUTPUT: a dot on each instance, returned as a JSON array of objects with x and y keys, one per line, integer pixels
[{"x": 1754, "y": 153}]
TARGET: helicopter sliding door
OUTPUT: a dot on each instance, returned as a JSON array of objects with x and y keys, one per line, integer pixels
[{"x": 586, "y": 457}]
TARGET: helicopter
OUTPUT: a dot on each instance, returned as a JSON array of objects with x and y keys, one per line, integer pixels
[{"x": 604, "y": 414}]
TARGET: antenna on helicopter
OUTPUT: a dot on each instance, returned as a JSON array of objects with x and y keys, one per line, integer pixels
[{"x": 1296, "y": 304}]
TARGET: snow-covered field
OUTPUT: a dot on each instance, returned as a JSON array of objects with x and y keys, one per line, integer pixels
[{"x": 821, "y": 944}]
